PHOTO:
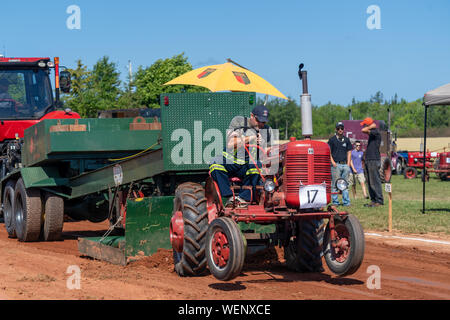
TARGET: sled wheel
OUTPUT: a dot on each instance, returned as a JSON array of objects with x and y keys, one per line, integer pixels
[
  {"x": 27, "y": 212},
  {"x": 347, "y": 255},
  {"x": 8, "y": 213},
  {"x": 53, "y": 217},
  {"x": 225, "y": 249}
]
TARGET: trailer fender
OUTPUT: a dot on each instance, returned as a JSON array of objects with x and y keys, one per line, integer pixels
[{"x": 38, "y": 177}]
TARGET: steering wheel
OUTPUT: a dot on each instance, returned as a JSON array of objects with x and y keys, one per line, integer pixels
[
  {"x": 268, "y": 154},
  {"x": 265, "y": 161}
]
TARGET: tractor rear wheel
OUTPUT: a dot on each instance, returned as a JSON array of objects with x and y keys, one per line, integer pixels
[
  {"x": 304, "y": 252},
  {"x": 188, "y": 228},
  {"x": 410, "y": 173},
  {"x": 385, "y": 169},
  {"x": 8, "y": 213},
  {"x": 225, "y": 249},
  {"x": 53, "y": 217},
  {"x": 346, "y": 257},
  {"x": 27, "y": 212}
]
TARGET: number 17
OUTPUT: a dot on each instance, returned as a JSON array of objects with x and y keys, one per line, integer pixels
[{"x": 314, "y": 197}]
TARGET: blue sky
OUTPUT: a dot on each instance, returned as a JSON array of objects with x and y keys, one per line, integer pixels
[{"x": 409, "y": 55}]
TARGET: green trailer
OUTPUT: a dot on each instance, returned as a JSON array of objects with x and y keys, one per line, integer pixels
[{"x": 121, "y": 169}]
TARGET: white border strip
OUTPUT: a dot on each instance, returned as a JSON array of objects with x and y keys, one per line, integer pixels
[{"x": 407, "y": 238}]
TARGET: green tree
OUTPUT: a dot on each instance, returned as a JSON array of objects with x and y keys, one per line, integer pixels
[
  {"x": 284, "y": 114},
  {"x": 79, "y": 99},
  {"x": 150, "y": 81},
  {"x": 94, "y": 90},
  {"x": 105, "y": 84}
]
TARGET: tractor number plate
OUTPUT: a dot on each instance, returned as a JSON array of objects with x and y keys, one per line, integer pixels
[{"x": 313, "y": 196}]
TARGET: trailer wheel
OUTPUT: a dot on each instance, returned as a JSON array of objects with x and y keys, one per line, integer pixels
[
  {"x": 8, "y": 213},
  {"x": 410, "y": 173},
  {"x": 304, "y": 252},
  {"x": 53, "y": 217},
  {"x": 27, "y": 210},
  {"x": 347, "y": 256},
  {"x": 225, "y": 249},
  {"x": 188, "y": 228}
]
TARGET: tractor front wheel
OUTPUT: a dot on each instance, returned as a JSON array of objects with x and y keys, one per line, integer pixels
[
  {"x": 398, "y": 167},
  {"x": 345, "y": 256},
  {"x": 225, "y": 249},
  {"x": 188, "y": 228},
  {"x": 410, "y": 173}
]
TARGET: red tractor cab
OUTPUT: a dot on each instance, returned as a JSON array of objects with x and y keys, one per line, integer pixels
[{"x": 26, "y": 97}]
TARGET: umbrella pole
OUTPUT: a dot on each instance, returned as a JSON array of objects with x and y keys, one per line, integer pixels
[{"x": 424, "y": 157}]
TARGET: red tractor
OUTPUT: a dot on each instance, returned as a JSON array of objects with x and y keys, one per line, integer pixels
[
  {"x": 25, "y": 99},
  {"x": 415, "y": 163},
  {"x": 293, "y": 200},
  {"x": 442, "y": 166}
]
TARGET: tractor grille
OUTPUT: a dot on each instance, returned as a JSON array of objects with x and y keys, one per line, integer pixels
[
  {"x": 307, "y": 169},
  {"x": 296, "y": 172},
  {"x": 322, "y": 170}
]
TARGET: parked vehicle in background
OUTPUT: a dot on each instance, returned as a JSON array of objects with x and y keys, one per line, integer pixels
[
  {"x": 442, "y": 166},
  {"x": 26, "y": 98},
  {"x": 388, "y": 147},
  {"x": 413, "y": 166}
]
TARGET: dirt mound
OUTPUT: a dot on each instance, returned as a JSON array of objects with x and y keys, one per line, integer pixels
[{"x": 161, "y": 259}]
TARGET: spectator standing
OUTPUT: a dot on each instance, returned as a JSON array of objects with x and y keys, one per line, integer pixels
[
  {"x": 357, "y": 170},
  {"x": 340, "y": 148},
  {"x": 372, "y": 162}
]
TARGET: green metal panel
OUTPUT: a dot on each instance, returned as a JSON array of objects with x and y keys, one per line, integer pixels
[
  {"x": 42, "y": 177},
  {"x": 103, "y": 138},
  {"x": 209, "y": 111},
  {"x": 147, "y": 230},
  {"x": 137, "y": 168},
  {"x": 147, "y": 225}
]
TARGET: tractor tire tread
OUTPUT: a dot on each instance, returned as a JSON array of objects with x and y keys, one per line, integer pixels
[
  {"x": 189, "y": 199},
  {"x": 54, "y": 217},
  {"x": 32, "y": 210}
]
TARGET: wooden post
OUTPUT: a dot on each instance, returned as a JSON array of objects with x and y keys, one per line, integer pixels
[
  {"x": 388, "y": 189},
  {"x": 390, "y": 212}
]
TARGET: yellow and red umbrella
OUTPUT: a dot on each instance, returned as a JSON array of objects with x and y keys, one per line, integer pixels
[{"x": 227, "y": 76}]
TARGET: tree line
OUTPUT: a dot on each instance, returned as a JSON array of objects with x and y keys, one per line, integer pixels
[{"x": 100, "y": 88}]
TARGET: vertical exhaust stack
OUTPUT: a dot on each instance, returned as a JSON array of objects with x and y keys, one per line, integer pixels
[{"x": 305, "y": 100}]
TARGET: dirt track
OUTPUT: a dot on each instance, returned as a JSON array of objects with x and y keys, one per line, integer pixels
[{"x": 409, "y": 270}]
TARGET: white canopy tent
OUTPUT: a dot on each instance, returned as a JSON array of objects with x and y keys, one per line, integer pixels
[{"x": 438, "y": 96}]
